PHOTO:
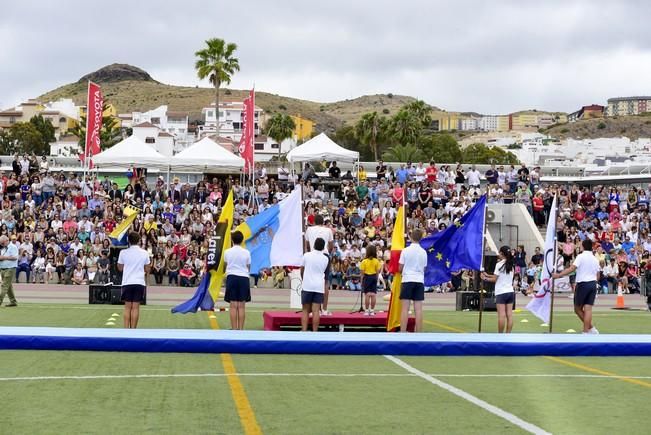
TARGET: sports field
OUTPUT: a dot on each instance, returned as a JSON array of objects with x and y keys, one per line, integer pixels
[{"x": 95, "y": 392}]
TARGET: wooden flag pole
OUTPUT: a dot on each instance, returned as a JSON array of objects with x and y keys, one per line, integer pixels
[{"x": 481, "y": 269}]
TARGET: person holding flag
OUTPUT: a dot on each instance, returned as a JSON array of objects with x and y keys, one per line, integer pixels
[
  {"x": 413, "y": 260},
  {"x": 587, "y": 270},
  {"x": 504, "y": 293}
]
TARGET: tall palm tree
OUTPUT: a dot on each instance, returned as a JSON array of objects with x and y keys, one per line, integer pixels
[
  {"x": 421, "y": 110},
  {"x": 280, "y": 127},
  {"x": 405, "y": 127},
  {"x": 369, "y": 129},
  {"x": 216, "y": 62}
]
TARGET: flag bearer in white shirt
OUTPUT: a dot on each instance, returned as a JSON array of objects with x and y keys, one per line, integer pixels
[{"x": 504, "y": 293}]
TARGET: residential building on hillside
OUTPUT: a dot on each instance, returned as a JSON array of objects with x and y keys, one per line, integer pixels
[
  {"x": 628, "y": 105},
  {"x": 447, "y": 121},
  {"x": 469, "y": 124},
  {"x": 304, "y": 128},
  {"x": 488, "y": 123},
  {"x": 154, "y": 136},
  {"x": 62, "y": 114},
  {"x": 21, "y": 113},
  {"x": 586, "y": 112},
  {"x": 503, "y": 123},
  {"x": 230, "y": 120},
  {"x": 174, "y": 123}
]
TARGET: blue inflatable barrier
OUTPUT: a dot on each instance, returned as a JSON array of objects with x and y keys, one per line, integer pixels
[{"x": 327, "y": 343}]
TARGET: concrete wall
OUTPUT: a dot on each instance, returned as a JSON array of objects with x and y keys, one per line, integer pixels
[{"x": 517, "y": 228}]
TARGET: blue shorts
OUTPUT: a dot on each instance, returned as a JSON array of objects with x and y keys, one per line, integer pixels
[
  {"x": 412, "y": 291},
  {"x": 505, "y": 298},
  {"x": 311, "y": 297},
  {"x": 369, "y": 284},
  {"x": 238, "y": 289},
  {"x": 585, "y": 293},
  {"x": 133, "y": 293}
]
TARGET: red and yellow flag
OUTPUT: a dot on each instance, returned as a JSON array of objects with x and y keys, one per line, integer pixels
[{"x": 397, "y": 245}]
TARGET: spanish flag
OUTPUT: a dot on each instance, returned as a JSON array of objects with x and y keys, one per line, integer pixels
[
  {"x": 397, "y": 245},
  {"x": 207, "y": 292}
]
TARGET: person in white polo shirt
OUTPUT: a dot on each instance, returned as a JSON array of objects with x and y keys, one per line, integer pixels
[
  {"x": 316, "y": 231},
  {"x": 504, "y": 292},
  {"x": 587, "y": 270},
  {"x": 313, "y": 270},
  {"x": 413, "y": 260},
  {"x": 238, "y": 285},
  {"x": 133, "y": 262}
]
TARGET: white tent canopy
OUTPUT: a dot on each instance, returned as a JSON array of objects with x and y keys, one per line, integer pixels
[
  {"x": 321, "y": 147},
  {"x": 205, "y": 155},
  {"x": 131, "y": 151}
]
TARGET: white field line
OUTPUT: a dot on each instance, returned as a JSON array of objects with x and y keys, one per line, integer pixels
[
  {"x": 323, "y": 375},
  {"x": 513, "y": 419}
]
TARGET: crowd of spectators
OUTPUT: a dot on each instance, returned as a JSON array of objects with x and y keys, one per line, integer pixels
[{"x": 60, "y": 222}]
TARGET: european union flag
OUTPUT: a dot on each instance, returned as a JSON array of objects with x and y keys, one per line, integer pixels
[{"x": 457, "y": 247}]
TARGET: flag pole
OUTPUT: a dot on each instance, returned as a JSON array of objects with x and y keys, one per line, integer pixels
[
  {"x": 481, "y": 269},
  {"x": 551, "y": 304},
  {"x": 85, "y": 149}
]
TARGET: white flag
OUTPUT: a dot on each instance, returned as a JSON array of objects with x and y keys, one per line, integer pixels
[{"x": 541, "y": 304}]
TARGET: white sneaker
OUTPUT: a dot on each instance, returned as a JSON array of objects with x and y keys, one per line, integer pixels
[
  {"x": 593, "y": 330},
  {"x": 372, "y": 313},
  {"x": 327, "y": 313},
  {"x": 367, "y": 312}
]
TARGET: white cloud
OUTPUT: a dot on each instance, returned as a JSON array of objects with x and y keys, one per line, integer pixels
[{"x": 491, "y": 57}]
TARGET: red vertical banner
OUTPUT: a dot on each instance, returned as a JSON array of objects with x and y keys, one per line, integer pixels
[
  {"x": 94, "y": 115},
  {"x": 248, "y": 132}
]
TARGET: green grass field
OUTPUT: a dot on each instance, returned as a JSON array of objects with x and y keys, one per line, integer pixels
[{"x": 95, "y": 392}]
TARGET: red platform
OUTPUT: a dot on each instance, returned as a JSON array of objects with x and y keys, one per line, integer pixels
[{"x": 275, "y": 320}]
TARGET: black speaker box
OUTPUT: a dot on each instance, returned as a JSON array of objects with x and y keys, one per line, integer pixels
[{"x": 108, "y": 294}]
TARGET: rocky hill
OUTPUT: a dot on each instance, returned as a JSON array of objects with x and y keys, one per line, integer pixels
[
  {"x": 632, "y": 127},
  {"x": 131, "y": 89}
]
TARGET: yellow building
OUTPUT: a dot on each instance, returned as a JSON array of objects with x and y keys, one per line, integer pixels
[
  {"x": 447, "y": 121},
  {"x": 524, "y": 121},
  {"x": 503, "y": 123},
  {"x": 304, "y": 128}
]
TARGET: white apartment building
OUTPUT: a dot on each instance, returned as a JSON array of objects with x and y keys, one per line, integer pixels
[
  {"x": 488, "y": 123},
  {"x": 174, "y": 123},
  {"x": 468, "y": 124},
  {"x": 158, "y": 139},
  {"x": 66, "y": 146},
  {"x": 230, "y": 119}
]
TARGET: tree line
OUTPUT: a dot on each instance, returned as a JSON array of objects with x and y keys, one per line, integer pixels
[{"x": 408, "y": 136}]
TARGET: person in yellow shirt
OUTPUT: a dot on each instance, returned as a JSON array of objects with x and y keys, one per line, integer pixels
[
  {"x": 370, "y": 268},
  {"x": 361, "y": 173}
]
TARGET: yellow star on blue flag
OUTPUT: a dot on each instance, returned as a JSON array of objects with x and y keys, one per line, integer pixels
[{"x": 458, "y": 247}]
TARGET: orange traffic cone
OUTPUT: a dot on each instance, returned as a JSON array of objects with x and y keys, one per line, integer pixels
[{"x": 619, "y": 303}]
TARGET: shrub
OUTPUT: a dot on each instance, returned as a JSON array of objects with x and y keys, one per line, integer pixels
[
  {"x": 565, "y": 130},
  {"x": 601, "y": 125},
  {"x": 390, "y": 95},
  {"x": 385, "y": 111},
  {"x": 282, "y": 107}
]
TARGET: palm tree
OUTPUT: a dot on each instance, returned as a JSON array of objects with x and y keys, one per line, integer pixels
[
  {"x": 279, "y": 128},
  {"x": 405, "y": 127},
  {"x": 216, "y": 62},
  {"x": 402, "y": 153},
  {"x": 421, "y": 110},
  {"x": 369, "y": 128}
]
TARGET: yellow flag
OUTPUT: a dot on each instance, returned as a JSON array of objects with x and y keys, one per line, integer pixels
[
  {"x": 397, "y": 245},
  {"x": 217, "y": 275}
]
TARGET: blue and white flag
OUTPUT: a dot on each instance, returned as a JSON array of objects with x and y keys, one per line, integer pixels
[{"x": 274, "y": 237}]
